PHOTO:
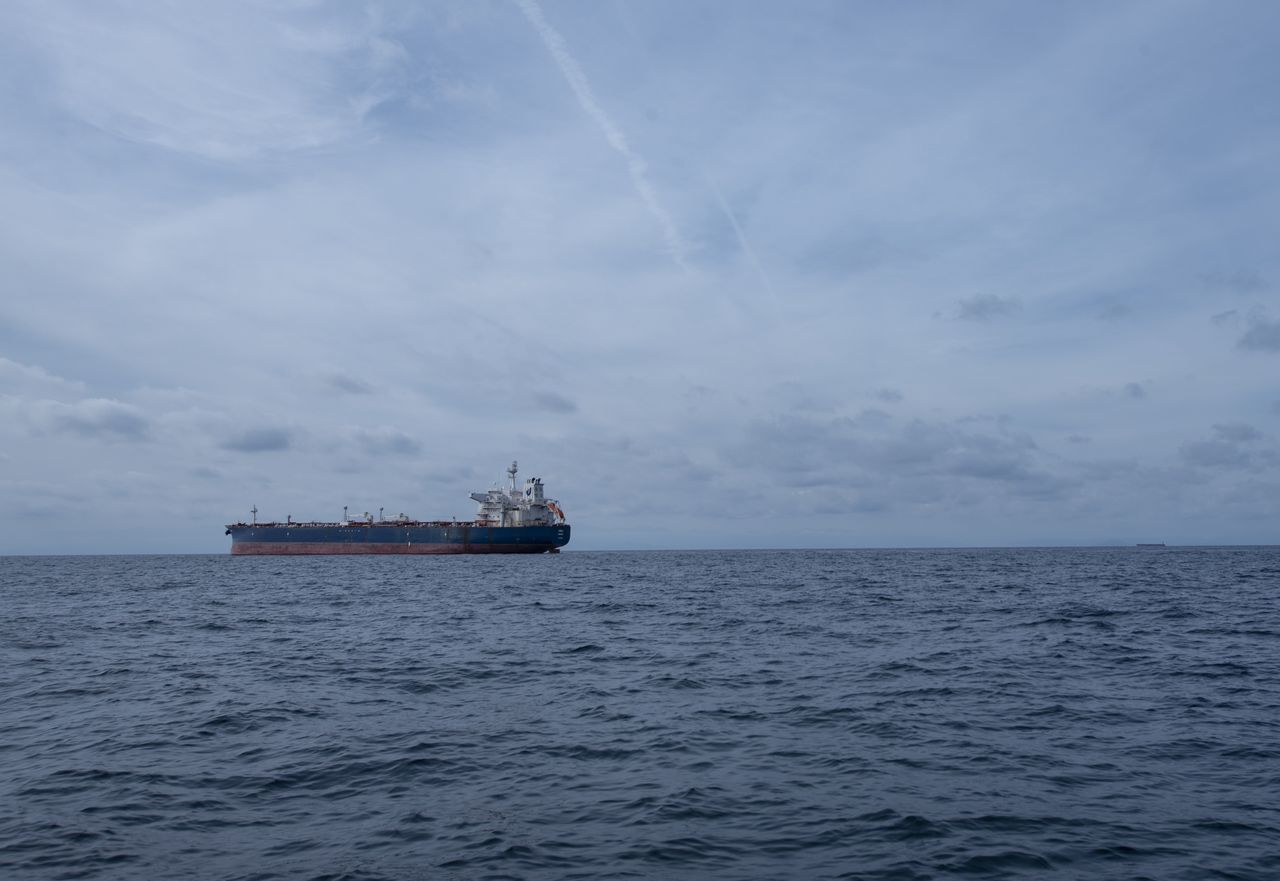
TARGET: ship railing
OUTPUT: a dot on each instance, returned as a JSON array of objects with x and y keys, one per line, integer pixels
[{"x": 364, "y": 524}]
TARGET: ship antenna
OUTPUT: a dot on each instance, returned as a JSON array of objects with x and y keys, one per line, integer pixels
[{"x": 254, "y": 512}]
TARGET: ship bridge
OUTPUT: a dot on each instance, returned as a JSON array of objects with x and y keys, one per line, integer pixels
[{"x": 517, "y": 506}]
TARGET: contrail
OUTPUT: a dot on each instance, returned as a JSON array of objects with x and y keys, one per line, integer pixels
[
  {"x": 586, "y": 98},
  {"x": 742, "y": 240}
]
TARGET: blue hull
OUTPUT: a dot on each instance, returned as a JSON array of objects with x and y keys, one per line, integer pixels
[{"x": 386, "y": 538}]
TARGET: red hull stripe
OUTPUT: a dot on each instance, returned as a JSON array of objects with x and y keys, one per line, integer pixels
[{"x": 257, "y": 548}]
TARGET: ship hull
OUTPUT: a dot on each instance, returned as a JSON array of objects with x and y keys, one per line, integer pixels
[{"x": 257, "y": 540}]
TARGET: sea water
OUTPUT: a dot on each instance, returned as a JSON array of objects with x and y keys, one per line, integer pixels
[{"x": 897, "y": 714}]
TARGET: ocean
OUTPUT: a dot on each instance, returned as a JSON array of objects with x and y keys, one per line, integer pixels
[{"x": 1108, "y": 713}]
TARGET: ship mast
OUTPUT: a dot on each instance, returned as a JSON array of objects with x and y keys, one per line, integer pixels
[{"x": 511, "y": 473}]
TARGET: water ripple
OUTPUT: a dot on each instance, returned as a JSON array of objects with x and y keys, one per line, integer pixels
[{"x": 1108, "y": 713}]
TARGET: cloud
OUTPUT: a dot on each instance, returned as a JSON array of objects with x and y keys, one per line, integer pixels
[
  {"x": 1234, "y": 446},
  {"x": 39, "y": 500},
  {"x": 1135, "y": 390},
  {"x": 259, "y": 440},
  {"x": 917, "y": 460},
  {"x": 582, "y": 90},
  {"x": 983, "y": 307},
  {"x": 1262, "y": 336},
  {"x": 1215, "y": 454},
  {"x": 387, "y": 441},
  {"x": 224, "y": 81},
  {"x": 741, "y": 236},
  {"x": 871, "y": 418},
  {"x": 98, "y": 418},
  {"x": 1238, "y": 432},
  {"x": 347, "y": 384},
  {"x": 30, "y": 380},
  {"x": 443, "y": 227},
  {"x": 553, "y": 403},
  {"x": 1240, "y": 282}
]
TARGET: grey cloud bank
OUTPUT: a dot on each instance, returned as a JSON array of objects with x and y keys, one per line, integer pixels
[
  {"x": 839, "y": 275},
  {"x": 259, "y": 440},
  {"x": 1262, "y": 335},
  {"x": 96, "y": 417},
  {"x": 985, "y": 306}
]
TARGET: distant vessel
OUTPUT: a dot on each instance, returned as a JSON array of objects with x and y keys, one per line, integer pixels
[
  {"x": 1151, "y": 544},
  {"x": 509, "y": 521}
]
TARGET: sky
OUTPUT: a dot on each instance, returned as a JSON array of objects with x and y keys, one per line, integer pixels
[{"x": 812, "y": 274}]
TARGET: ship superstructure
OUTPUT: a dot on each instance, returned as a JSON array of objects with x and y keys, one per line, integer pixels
[
  {"x": 512, "y": 507},
  {"x": 513, "y": 520}
]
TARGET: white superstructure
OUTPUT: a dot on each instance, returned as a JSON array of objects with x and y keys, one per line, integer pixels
[{"x": 513, "y": 507}]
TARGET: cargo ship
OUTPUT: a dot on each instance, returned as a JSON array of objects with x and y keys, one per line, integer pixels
[{"x": 509, "y": 521}]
